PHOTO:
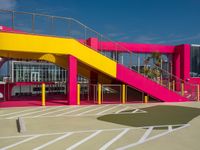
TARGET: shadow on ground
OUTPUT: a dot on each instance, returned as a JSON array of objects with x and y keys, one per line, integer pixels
[{"x": 156, "y": 115}]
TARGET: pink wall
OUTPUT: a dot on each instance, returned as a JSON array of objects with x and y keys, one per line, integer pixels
[{"x": 8, "y": 89}]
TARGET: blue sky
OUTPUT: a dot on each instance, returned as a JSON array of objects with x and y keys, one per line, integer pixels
[{"x": 139, "y": 21}]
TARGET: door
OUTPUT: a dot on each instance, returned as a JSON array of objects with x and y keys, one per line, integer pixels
[{"x": 35, "y": 76}]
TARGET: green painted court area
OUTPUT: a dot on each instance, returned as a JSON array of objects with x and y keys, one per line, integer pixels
[{"x": 119, "y": 126}]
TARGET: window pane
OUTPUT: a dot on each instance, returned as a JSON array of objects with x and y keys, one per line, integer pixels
[{"x": 195, "y": 61}]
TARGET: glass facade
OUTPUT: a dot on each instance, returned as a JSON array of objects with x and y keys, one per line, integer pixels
[
  {"x": 37, "y": 72},
  {"x": 40, "y": 71},
  {"x": 195, "y": 61},
  {"x": 33, "y": 71},
  {"x": 136, "y": 61}
]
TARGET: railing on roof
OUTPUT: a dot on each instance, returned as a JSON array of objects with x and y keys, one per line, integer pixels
[{"x": 43, "y": 24}]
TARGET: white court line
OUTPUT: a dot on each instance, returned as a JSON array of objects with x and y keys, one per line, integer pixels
[
  {"x": 53, "y": 141},
  {"x": 100, "y": 107},
  {"x": 85, "y": 131},
  {"x": 84, "y": 140},
  {"x": 45, "y": 109},
  {"x": 20, "y": 142},
  {"x": 72, "y": 111},
  {"x": 151, "y": 138},
  {"x": 105, "y": 146},
  {"x": 108, "y": 109},
  {"x": 19, "y": 111},
  {"x": 135, "y": 111},
  {"x": 167, "y": 132},
  {"x": 59, "y": 133},
  {"x": 138, "y": 111},
  {"x": 122, "y": 109},
  {"x": 146, "y": 134},
  {"x": 52, "y": 112},
  {"x": 170, "y": 128}
]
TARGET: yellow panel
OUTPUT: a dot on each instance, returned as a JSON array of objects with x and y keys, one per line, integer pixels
[{"x": 11, "y": 42}]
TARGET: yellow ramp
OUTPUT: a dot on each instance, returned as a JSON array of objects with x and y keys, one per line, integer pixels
[{"x": 53, "y": 49}]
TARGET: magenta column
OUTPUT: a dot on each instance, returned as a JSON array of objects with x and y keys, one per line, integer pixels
[
  {"x": 93, "y": 43},
  {"x": 181, "y": 61},
  {"x": 72, "y": 80},
  {"x": 185, "y": 62},
  {"x": 177, "y": 66}
]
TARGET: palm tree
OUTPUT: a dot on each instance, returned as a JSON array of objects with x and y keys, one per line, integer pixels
[{"x": 153, "y": 72}]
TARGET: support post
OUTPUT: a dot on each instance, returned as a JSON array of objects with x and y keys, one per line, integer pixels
[
  {"x": 169, "y": 85},
  {"x": 123, "y": 94},
  {"x": 182, "y": 88},
  {"x": 198, "y": 93},
  {"x": 173, "y": 85},
  {"x": 43, "y": 95},
  {"x": 78, "y": 94},
  {"x": 99, "y": 94},
  {"x": 146, "y": 98},
  {"x": 161, "y": 83}
]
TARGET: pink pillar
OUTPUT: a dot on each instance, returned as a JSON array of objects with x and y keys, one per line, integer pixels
[
  {"x": 92, "y": 42},
  {"x": 185, "y": 62},
  {"x": 176, "y": 61},
  {"x": 181, "y": 61},
  {"x": 72, "y": 80},
  {"x": 177, "y": 66}
]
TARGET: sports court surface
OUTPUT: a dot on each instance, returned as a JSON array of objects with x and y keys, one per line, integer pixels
[{"x": 115, "y": 126}]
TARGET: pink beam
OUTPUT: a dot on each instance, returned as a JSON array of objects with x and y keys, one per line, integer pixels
[
  {"x": 137, "y": 48},
  {"x": 133, "y": 47},
  {"x": 148, "y": 48},
  {"x": 72, "y": 80},
  {"x": 7, "y": 29}
]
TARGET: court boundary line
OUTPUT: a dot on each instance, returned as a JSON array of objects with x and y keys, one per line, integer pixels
[{"x": 85, "y": 131}]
